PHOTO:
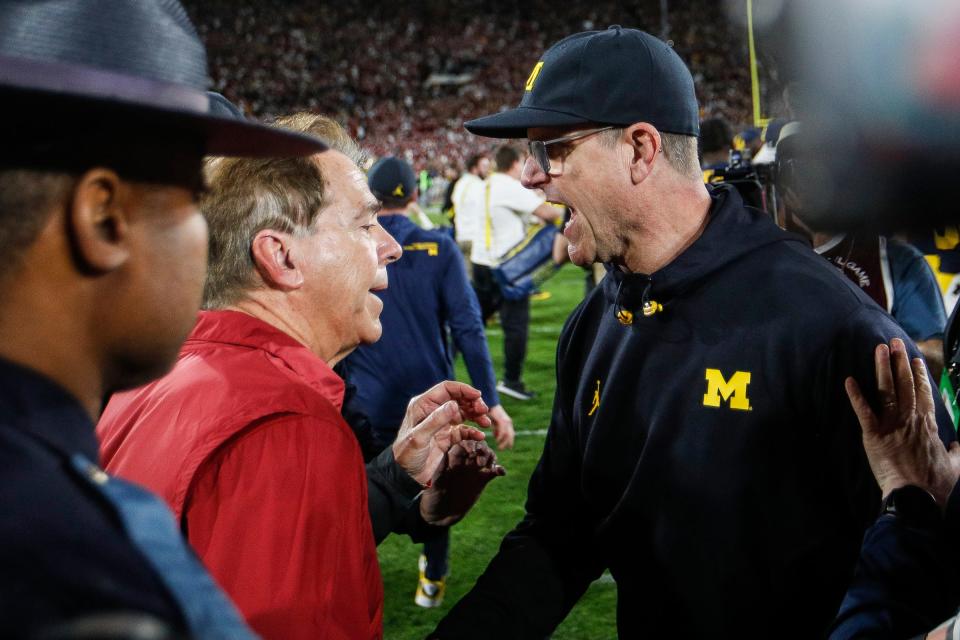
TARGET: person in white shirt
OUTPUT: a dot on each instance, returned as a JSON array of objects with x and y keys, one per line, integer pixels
[
  {"x": 467, "y": 209},
  {"x": 508, "y": 210}
]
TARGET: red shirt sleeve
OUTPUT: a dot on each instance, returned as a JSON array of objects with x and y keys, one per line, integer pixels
[{"x": 279, "y": 516}]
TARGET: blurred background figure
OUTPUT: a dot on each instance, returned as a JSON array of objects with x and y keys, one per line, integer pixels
[
  {"x": 467, "y": 215},
  {"x": 716, "y": 143},
  {"x": 748, "y": 142},
  {"x": 510, "y": 212}
]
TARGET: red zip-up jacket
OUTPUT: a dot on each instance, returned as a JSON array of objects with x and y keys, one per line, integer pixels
[{"x": 244, "y": 440}]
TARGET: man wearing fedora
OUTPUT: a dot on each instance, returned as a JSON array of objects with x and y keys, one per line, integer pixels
[
  {"x": 105, "y": 254},
  {"x": 701, "y": 447}
]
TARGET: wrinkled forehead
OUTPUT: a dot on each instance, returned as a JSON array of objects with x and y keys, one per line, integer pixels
[{"x": 346, "y": 185}]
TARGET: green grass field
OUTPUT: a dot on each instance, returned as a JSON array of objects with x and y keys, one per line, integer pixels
[{"x": 475, "y": 540}]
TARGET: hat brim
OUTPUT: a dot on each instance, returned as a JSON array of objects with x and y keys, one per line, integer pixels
[
  {"x": 515, "y": 122},
  {"x": 220, "y": 136}
]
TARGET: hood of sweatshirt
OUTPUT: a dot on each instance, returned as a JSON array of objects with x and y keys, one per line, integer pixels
[{"x": 732, "y": 231}]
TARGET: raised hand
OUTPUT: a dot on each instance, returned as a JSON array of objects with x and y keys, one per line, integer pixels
[
  {"x": 902, "y": 443},
  {"x": 421, "y": 449}
]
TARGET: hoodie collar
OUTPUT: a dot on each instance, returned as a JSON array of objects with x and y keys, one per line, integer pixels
[{"x": 732, "y": 230}]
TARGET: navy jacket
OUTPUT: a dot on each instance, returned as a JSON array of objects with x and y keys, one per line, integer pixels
[
  {"x": 705, "y": 454},
  {"x": 428, "y": 292},
  {"x": 63, "y": 551},
  {"x": 907, "y": 580}
]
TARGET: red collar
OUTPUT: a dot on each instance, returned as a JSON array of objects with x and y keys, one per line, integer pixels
[{"x": 240, "y": 329}]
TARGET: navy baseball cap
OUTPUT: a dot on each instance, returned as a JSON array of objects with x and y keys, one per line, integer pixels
[
  {"x": 618, "y": 76},
  {"x": 391, "y": 178}
]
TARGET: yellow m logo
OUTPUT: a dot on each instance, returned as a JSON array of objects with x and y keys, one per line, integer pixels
[
  {"x": 734, "y": 391},
  {"x": 533, "y": 76},
  {"x": 432, "y": 248},
  {"x": 398, "y": 191}
]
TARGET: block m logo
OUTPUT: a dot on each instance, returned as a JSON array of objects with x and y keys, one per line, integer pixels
[{"x": 733, "y": 391}]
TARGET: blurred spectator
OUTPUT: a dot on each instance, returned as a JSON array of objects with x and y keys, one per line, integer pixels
[
  {"x": 509, "y": 211},
  {"x": 716, "y": 141},
  {"x": 748, "y": 142},
  {"x": 468, "y": 220}
]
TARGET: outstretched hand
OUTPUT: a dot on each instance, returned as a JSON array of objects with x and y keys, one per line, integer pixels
[
  {"x": 421, "y": 450},
  {"x": 902, "y": 443},
  {"x": 470, "y": 465},
  {"x": 467, "y": 399}
]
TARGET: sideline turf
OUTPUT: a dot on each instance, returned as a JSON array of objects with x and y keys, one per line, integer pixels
[{"x": 476, "y": 539}]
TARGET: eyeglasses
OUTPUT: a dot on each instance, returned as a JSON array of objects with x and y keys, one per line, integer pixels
[{"x": 538, "y": 148}]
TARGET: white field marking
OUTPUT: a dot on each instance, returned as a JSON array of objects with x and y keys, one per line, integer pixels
[
  {"x": 530, "y": 432},
  {"x": 537, "y": 328}
]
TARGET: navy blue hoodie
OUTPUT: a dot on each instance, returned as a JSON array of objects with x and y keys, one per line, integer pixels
[{"x": 705, "y": 454}]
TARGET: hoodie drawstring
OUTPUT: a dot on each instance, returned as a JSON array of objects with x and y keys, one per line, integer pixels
[{"x": 649, "y": 307}]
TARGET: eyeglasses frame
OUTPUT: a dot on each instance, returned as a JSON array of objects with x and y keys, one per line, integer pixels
[{"x": 535, "y": 146}]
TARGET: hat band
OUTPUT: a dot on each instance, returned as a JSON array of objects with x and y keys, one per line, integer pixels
[{"x": 88, "y": 82}]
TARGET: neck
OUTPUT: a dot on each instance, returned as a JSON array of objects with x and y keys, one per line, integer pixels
[
  {"x": 392, "y": 212},
  {"x": 275, "y": 308},
  {"x": 48, "y": 334},
  {"x": 680, "y": 214},
  {"x": 513, "y": 172}
]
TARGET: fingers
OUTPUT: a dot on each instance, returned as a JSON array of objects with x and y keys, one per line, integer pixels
[
  {"x": 504, "y": 436},
  {"x": 441, "y": 393},
  {"x": 451, "y": 390},
  {"x": 922, "y": 388},
  {"x": 903, "y": 377},
  {"x": 443, "y": 416},
  {"x": 468, "y": 399},
  {"x": 885, "y": 386},
  {"x": 868, "y": 420}
]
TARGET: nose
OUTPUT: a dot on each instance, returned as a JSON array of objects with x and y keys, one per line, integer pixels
[
  {"x": 532, "y": 176},
  {"x": 388, "y": 250}
]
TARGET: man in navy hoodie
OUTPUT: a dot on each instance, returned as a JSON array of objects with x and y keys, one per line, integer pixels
[{"x": 702, "y": 448}]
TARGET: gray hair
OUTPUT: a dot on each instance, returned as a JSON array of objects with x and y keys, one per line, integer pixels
[
  {"x": 679, "y": 150},
  {"x": 248, "y": 195}
]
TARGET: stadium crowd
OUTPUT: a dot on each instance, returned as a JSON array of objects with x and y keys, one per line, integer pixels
[{"x": 403, "y": 77}]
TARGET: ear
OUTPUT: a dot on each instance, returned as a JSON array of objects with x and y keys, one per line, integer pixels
[
  {"x": 98, "y": 220},
  {"x": 272, "y": 253},
  {"x": 645, "y": 145}
]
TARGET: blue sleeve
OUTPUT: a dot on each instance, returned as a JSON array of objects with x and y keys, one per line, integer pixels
[
  {"x": 917, "y": 304},
  {"x": 906, "y": 582},
  {"x": 462, "y": 312}
]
